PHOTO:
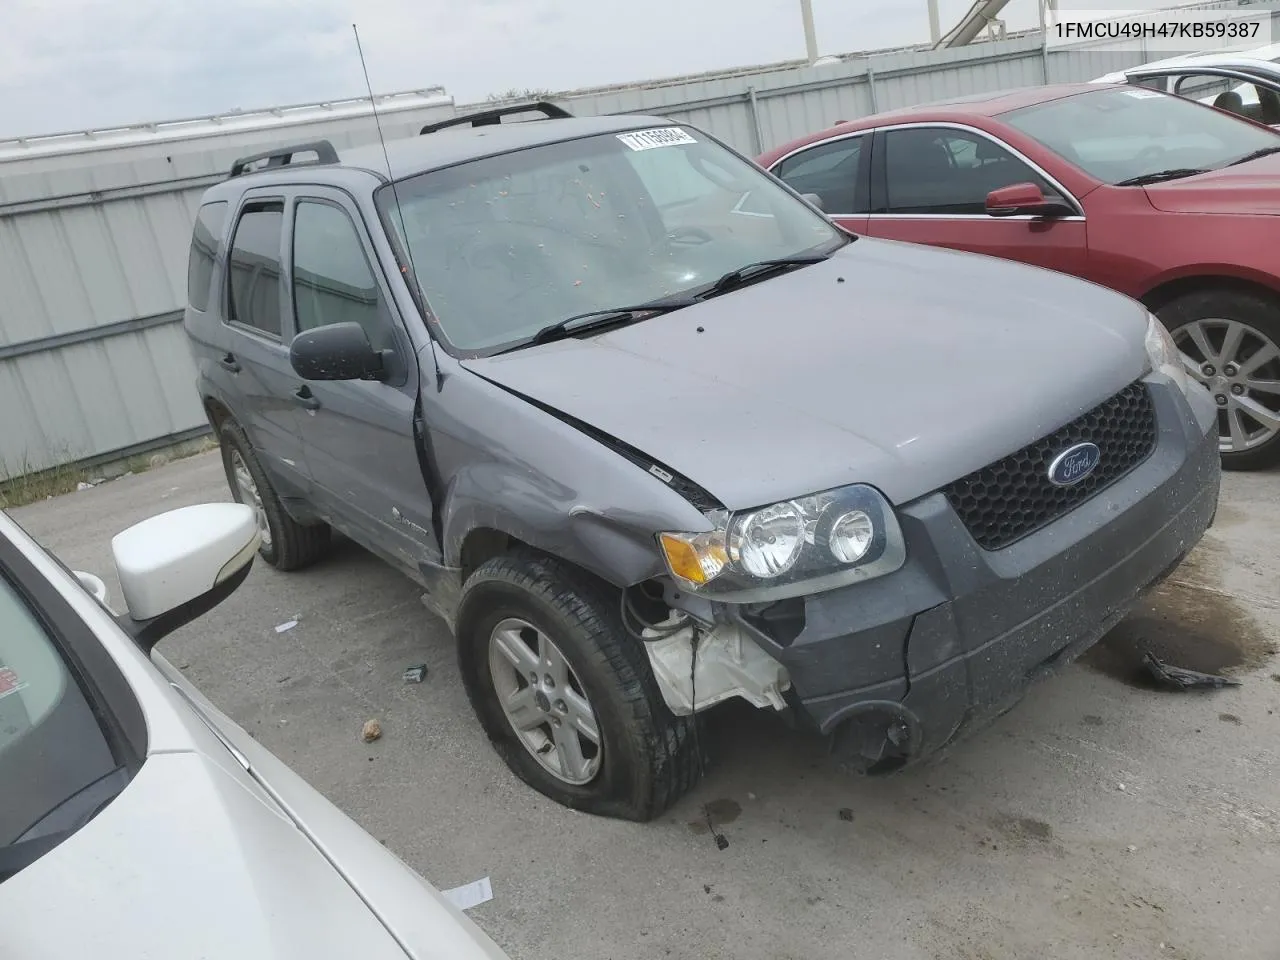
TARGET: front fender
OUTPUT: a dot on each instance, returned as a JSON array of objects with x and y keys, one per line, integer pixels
[{"x": 512, "y": 467}]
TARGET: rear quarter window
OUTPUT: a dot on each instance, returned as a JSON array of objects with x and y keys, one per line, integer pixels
[{"x": 204, "y": 251}]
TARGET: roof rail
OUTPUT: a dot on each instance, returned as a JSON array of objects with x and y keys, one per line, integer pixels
[
  {"x": 281, "y": 156},
  {"x": 487, "y": 118}
]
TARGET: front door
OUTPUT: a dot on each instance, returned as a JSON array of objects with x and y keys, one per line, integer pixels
[
  {"x": 930, "y": 185},
  {"x": 358, "y": 435}
]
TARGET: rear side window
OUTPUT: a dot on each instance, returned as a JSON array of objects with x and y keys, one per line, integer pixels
[
  {"x": 256, "y": 289},
  {"x": 204, "y": 250}
]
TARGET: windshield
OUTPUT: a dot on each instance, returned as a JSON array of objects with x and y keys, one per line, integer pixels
[
  {"x": 1120, "y": 135},
  {"x": 56, "y": 764},
  {"x": 506, "y": 245}
]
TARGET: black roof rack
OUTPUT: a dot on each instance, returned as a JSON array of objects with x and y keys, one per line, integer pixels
[
  {"x": 282, "y": 156},
  {"x": 487, "y": 118}
]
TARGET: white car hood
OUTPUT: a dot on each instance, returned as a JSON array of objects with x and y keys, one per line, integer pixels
[{"x": 188, "y": 861}]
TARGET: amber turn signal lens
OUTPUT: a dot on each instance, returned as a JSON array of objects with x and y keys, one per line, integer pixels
[{"x": 692, "y": 561}]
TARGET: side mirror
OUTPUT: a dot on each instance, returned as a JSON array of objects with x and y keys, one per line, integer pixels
[
  {"x": 178, "y": 565},
  {"x": 339, "y": 351},
  {"x": 1020, "y": 199},
  {"x": 814, "y": 199}
]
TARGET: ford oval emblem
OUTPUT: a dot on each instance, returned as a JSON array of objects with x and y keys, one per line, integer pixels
[{"x": 1074, "y": 464}]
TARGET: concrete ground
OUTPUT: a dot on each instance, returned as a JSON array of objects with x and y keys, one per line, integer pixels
[{"x": 1098, "y": 819}]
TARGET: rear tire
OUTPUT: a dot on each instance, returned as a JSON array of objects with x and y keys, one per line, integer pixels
[
  {"x": 646, "y": 756},
  {"x": 1233, "y": 339},
  {"x": 286, "y": 544}
]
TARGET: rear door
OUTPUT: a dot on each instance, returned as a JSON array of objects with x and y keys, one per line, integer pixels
[
  {"x": 358, "y": 435},
  {"x": 929, "y": 184},
  {"x": 837, "y": 171},
  {"x": 256, "y": 360}
]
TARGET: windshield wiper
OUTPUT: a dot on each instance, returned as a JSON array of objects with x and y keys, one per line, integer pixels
[
  {"x": 605, "y": 316},
  {"x": 1256, "y": 155},
  {"x": 743, "y": 273},
  {"x": 1159, "y": 176}
]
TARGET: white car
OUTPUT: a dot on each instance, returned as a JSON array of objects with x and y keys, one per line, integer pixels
[
  {"x": 136, "y": 820},
  {"x": 1244, "y": 82}
]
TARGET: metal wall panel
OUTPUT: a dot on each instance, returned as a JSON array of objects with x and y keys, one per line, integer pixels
[{"x": 77, "y": 265}]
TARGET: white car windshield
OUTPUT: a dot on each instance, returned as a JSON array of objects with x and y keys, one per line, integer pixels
[
  {"x": 505, "y": 246},
  {"x": 1124, "y": 135}
]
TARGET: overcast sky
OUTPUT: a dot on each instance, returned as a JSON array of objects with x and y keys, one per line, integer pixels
[{"x": 76, "y": 64}]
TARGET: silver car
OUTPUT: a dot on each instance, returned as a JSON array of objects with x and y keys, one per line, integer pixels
[{"x": 136, "y": 820}]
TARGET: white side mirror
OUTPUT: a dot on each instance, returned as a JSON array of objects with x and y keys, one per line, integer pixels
[{"x": 178, "y": 565}]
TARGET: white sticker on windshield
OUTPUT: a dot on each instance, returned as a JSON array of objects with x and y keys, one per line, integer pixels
[
  {"x": 661, "y": 137},
  {"x": 1144, "y": 94}
]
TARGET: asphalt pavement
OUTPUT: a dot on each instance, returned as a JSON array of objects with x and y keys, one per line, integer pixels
[{"x": 1097, "y": 819}]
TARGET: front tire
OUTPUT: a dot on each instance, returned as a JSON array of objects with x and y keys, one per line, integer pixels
[
  {"x": 1230, "y": 341},
  {"x": 565, "y": 695}
]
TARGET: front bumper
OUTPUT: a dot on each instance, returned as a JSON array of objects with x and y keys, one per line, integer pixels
[{"x": 900, "y": 666}]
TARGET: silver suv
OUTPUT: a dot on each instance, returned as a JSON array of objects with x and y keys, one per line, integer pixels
[{"x": 653, "y": 433}]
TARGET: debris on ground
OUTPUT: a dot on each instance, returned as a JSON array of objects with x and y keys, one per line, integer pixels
[
  {"x": 1180, "y": 678},
  {"x": 415, "y": 674},
  {"x": 1132, "y": 848},
  {"x": 287, "y": 625},
  {"x": 371, "y": 732},
  {"x": 470, "y": 894},
  {"x": 845, "y": 814}
]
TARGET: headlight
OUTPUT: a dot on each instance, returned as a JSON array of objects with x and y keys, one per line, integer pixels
[
  {"x": 1164, "y": 355},
  {"x": 790, "y": 548}
]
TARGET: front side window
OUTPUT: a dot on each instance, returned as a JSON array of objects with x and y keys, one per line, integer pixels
[
  {"x": 1120, "y": 135},
  {"x": 332, "y": 279},
  {"x": 939, "y": 170},
  {"x": 256, "y": 287},
  {"x": 55, "y": 759},
  {"x": 506, "y": 245},
  {"x": 829, "y": 170}
]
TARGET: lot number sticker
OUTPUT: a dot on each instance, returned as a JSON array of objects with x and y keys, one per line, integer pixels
[
  {"x": 10, "y": 682},
  {"x": 661, "y": 137}
]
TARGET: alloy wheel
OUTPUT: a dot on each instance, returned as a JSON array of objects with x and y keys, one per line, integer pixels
[{"x": 544, "y": 702}]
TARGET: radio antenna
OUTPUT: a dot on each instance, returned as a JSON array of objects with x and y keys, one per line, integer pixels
[{"x": 414, "y": 289}]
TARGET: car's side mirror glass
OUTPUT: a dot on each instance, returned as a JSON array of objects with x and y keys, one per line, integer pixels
[
  {"x": 338, "y": 351},
  {"x": 1022, "y": 199},
  {"x": 178, "y": 565}
]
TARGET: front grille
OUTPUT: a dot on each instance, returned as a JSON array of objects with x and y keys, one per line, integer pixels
[{"x": 1013, "y": 498}]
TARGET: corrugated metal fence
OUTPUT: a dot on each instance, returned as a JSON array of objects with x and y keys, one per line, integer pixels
[{"x": 93, "y": 361}]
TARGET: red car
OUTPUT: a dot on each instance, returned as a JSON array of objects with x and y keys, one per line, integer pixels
[{"x": 1159, "y": 197}]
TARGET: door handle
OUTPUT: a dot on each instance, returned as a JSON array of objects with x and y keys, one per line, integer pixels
[
  {"x": 229, "y": 363},
  {"x": 303, "y": 396}
]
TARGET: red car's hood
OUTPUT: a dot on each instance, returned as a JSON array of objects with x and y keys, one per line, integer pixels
[{"x": 1251, "y": 188}]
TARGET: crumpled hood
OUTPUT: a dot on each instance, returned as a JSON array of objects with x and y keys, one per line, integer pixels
[
  {"x": 188, "y": 862},
  {"x": 894, "y": 364},
  {"x": 1252, "y": 188}
]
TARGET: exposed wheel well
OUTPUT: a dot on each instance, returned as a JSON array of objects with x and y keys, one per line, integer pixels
[
  {"x": 484, "y": 543},
  {"x": 217, "y": 414},
  {"x": 1154, "y": 299}
]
